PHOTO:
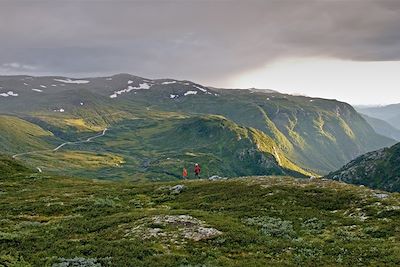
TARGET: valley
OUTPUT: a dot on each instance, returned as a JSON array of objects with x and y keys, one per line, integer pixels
[{"x": 157, "y": 127}]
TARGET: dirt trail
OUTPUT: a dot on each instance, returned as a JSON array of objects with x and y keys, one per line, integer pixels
[{"x": 63, "y": 144}]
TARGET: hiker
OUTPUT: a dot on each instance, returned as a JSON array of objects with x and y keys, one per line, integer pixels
[
  {"x": 197, "y": 170},
  {"x": 184, "y": 173}
]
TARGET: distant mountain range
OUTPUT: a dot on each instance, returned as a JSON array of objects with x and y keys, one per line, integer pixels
[
  {"x": 157, "y": 127},
  {"x": 382, "y": 127},
  {"x": 390, "y": 113}
]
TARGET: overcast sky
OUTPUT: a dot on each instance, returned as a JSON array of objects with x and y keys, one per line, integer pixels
[{"x": 348, "y": 50}]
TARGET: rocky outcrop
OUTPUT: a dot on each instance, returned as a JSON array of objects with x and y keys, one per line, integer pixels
[
  {"x": 175, "y": 228},
  {"x": 379, "y": 169}
]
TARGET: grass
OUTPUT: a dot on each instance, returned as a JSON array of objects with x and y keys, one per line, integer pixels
[
  {"x": 18, "y": 134},
  {"x": 8, "y": 166},
  {"x": 81, "y": 124},
  {"x": 75, "y": 161},
  {"x": 274, "y": 221}
]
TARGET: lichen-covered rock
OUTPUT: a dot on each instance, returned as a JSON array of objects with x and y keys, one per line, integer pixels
[
  {"x": 77, "y": 262},
  {"x": 177, "y": 189},
  {"x": 200, "y": 233},
  {"x": 216, "y": 177},
  {"x": 381, "y": 195},
  {"x": 173, "y": 228}
]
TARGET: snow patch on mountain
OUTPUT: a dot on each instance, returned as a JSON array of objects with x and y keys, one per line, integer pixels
[
  {"x": 59, "y": 110},
  {"x": 37, "y": 90},
  {"x": 190, "y": 93},
  {"x": 142, "y": 86},
  {"x": 173, "y": 96},
  {"x": 72, "y": 81},
  {"x": 169, "y": 82},
  {"x": 200, "y": 88},
  {"x": 9, "y": 93}
]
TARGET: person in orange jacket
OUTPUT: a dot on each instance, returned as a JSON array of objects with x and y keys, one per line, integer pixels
[
  {"x": 197, "y": 170},
  {"x": 184, "y": 173}
]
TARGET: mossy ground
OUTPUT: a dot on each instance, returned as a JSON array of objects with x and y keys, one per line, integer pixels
[{"x": 265, "y": 221}]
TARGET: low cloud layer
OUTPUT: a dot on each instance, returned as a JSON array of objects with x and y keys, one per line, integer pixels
[{"x": 206, "y": 41}]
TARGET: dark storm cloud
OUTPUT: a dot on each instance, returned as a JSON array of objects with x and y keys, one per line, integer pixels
[{"x": 198, "y": 40}]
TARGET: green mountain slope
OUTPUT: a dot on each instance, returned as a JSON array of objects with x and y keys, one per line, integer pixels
[
  {"x": 379, "y": 169},
  {"x": 18, "y": 135},
  {"x": 155, "y": 146},
  {"x": 315, "y": 134},
  {"x": 219, "y": 145},
  {"x": 257, "y": 221},
  {"x": 383, "y": 128}
]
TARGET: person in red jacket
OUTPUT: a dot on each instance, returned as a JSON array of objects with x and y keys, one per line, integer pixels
[
  {"x": 197, "y": 170},
  {"x": 184, "y": 173}
]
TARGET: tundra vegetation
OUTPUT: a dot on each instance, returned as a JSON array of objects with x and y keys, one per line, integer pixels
[{"x": 251, "y": 221}]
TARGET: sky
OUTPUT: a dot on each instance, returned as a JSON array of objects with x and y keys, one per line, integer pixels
[{"x": 341, "y": 49}]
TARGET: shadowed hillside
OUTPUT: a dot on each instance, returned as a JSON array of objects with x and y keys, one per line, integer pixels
[
  {"x": 379, "y": 169},
  {"x": 382, "y": 127}
]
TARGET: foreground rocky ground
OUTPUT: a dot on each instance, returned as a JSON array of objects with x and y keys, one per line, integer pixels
[{"x": 254, "y": 221}]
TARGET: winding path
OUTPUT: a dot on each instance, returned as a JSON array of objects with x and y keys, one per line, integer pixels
[{"x": 62, "y": 145}]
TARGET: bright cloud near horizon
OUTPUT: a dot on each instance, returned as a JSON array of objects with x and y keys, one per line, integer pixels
[
  {"x": 347, "y": 50},
  {"x": 358, "y": 83}
]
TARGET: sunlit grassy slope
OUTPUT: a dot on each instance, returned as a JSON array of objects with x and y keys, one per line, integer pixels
[
  {"x": 16, "y": 135},
  {"x": 145, "y": 143},
  {"x": 254, "y": 221}
]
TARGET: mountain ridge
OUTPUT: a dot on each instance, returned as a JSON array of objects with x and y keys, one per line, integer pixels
[
  {"x": 313, "y": 134},
  {"x": 388, "y": 113},
  {"x": 382, "y": 127}
]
